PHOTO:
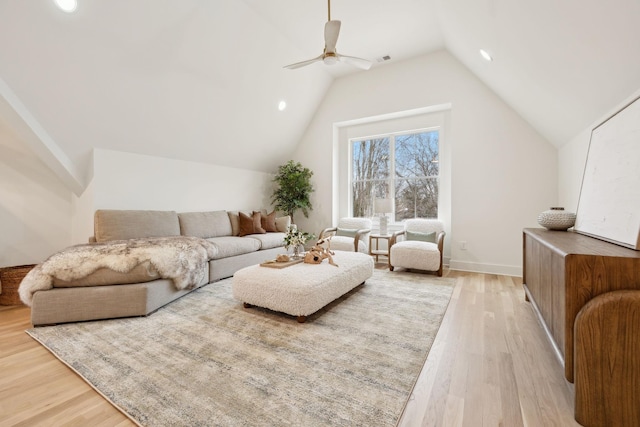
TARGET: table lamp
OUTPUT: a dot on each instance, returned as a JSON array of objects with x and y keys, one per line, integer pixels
[{"x": 382, "y": 207}]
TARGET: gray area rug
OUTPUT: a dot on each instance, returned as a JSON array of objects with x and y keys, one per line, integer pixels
[{"x": 204, "y": 360}]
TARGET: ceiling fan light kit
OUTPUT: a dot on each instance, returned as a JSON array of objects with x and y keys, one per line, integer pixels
[
  {"x": 330, "y": 59},
  {"x": 330, "y": 56},
  {"x": 68, "y": 6}
]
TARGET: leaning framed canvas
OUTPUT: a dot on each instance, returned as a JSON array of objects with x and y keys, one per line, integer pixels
[{"x": 609, "y": 204}]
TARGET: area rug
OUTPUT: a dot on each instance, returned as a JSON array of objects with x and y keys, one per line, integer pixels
[{"x": 204, "y": 360}]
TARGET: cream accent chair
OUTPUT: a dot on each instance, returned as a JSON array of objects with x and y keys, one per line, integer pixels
[
  {"x": 419, "y": 246},
  {"x": 351, "y": 234}
]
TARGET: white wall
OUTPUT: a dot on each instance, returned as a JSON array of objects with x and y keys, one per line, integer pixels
[
  {"x": 35, "y": 206},
  {"x": 133, "y": 181},
  {"x": 82, "y": 219},
  {"x": 503, "y": 173},
  {"x": 571, "y": 161},
  {"x": 572, "y": 158},
  {"x": 39, "y": 215}
]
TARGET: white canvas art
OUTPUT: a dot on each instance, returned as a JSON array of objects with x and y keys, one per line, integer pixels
[{"x": 609, "y": 205}]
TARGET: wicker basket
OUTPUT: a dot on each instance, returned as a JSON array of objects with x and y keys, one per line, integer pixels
[{"x": 10, "y": 278}]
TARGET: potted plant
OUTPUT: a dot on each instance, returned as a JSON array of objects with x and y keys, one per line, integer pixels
[{"x": 294, "y": 189}]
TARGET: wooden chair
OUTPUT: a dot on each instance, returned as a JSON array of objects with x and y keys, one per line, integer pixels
[
  {"x": 419, "y": 246},
  {"x": 351, "y": 234}
]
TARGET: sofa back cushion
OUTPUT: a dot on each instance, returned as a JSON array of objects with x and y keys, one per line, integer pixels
[
  {"x": 205, "y": 224},
  {"x": 134, "y": 224}
]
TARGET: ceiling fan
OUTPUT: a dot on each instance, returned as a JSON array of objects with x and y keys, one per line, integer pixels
[{"x": 330, "y": 56}]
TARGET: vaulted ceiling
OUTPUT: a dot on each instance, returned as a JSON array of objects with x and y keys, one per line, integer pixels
[{"x": 201, "y": 79}]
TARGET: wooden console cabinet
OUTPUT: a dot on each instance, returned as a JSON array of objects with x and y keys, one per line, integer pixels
[{"x": 562, "y": 271}]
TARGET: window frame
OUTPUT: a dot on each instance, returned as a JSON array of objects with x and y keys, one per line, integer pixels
[{"x": 391, "y": 179}]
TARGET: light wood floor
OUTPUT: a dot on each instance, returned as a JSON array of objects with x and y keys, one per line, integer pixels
[{"x": 490, "y": 365}]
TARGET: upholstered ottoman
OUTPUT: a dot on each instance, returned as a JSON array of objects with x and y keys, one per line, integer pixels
[{"x": 301, "y": 289}]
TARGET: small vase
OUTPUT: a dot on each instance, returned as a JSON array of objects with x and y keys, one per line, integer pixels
[
  {"x": 296, "y": 252},
  {"x": 557, "y": 218}
]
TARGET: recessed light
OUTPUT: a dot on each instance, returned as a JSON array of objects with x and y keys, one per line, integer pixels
[
  {"x": 282, "y": 105},
  {"x": 485, "y": 55},
  {"x": 67, "y": 5}
]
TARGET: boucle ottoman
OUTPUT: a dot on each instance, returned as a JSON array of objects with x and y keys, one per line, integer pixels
[{"x": 301, "y": 289}]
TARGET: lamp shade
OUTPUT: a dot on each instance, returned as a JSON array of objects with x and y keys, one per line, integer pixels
[{"x": 382, "y": 206}]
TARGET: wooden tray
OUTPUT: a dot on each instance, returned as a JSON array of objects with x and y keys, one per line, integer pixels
[{"x": 276, "y": 264}]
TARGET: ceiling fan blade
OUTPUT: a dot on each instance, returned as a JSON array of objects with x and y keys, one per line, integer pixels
[
  {"x": 364, "y": 64},
  {"x": 331, "y": 31},
  {"x": 303, "y": 63}
]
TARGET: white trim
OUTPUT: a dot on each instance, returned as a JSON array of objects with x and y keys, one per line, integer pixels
[
  {"x": 339, "y": 127},
  {"x": 476, "y": 267},
  {"x": 391, "y": 178},
  {"x": 36, "y": 137},
  {"x": 424, "y": 117},
  {"x": 394, "y": 115}
]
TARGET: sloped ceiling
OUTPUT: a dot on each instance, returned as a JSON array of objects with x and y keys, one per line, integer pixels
[
  {"x": 560, "y": 64},
  {"x": 201, "y": 79}
]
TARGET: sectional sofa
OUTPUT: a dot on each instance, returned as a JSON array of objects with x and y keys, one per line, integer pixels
[{"x": 231, "y": 240}]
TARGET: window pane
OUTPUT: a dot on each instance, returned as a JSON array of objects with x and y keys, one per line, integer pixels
[
  {"x": 417, "y": 154},
  {"x": 416, "y": 158},
  {"x": 406, "y": 171},
  {"x": 416, "y": 198},
  {"x": 371, "y": 159},
  {"x": 364, "y": 194},
  {"x": 370, "y": 174}
]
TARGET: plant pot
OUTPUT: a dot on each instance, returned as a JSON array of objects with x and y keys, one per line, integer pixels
[{"x": 10, "y": 279}]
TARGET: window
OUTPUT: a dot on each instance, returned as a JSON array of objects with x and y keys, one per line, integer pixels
[{"x": 403, "y": 167}]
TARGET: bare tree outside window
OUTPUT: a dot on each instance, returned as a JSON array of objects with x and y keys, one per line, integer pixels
[
  {"x": 371, "y": 170},
  {"x": 416, "y": 175},
  {"x": 404, "y": 167}
]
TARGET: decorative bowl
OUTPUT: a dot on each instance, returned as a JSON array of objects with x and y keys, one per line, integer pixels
[{"x": 557, "y": 218}]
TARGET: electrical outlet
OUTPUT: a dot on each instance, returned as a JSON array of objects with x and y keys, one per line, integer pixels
[{"x": 463, "y": 245}]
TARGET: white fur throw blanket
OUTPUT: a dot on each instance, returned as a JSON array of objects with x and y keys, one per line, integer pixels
[{"x": 182, "y": 259}]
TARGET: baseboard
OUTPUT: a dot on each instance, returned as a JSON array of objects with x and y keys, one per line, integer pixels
[{"x": 476, "y": 267}]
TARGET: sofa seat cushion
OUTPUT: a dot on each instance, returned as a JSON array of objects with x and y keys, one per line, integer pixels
[
  {"x": 141, "y": 273},
  {"x": 205, "y": 224},
  {"x": 229, "y": 246},
  {"x": 415, "y": 254},
  {"x": 269, "y": 240},
  {"x": 343, "y": 243}
]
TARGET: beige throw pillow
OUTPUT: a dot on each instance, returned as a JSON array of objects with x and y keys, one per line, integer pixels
[{"x": 283, "y": 223}]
